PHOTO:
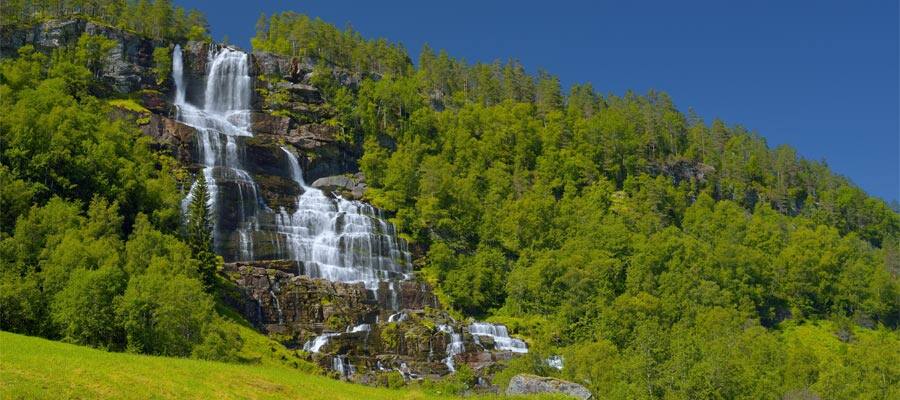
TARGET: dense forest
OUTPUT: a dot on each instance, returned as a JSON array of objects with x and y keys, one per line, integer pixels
[{"x": 663, "y": 256}]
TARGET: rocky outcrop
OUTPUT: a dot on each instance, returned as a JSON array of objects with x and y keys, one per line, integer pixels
[
  {"x": 126, "y": 69},
  {"x": 349, "y": 186},
  {"x": 361, "y": 327},
  {"x": 684, "y": 170},
  {"x": 532, "y": 384},
  {"x": 172, "y": 135}
]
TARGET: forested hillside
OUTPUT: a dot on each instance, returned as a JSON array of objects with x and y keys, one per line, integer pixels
[
  {"x": 644, "y": 251},
  {"x": 91, "y": 240},
  {"x": 662, "y": 255}
]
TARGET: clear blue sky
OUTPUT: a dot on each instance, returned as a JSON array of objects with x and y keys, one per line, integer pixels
[{"x": 821, "y": 76}]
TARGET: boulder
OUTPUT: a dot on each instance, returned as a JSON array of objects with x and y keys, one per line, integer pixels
[
  {"x": 349, "y": 186},
  {"x": 533, "y": 384}
]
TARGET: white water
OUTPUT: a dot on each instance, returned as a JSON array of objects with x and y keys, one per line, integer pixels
[
  {"x": 340, "y": 364},
  {"x": 221, "y": 124},
  {"x": 398, "y": 317},
  {"x": 331, "y": 238},
  {"x": 502, "y": 341},
  {"x": 453, "y": 348},
  {"x": 341, "y": 240},
  {"x": 555, "y": 362},
  {"x": 313, "y": 346}
]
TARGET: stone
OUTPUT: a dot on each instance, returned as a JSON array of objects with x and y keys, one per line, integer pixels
[
  {"x": 532, "y": 384},
  {"x": 127, "y": 68},
  {"x": 301, "y": 92},
  {"x": 312, "y": 136},
  {"x": 349, "y": 186},
  {"x": 268, "y": 124}
]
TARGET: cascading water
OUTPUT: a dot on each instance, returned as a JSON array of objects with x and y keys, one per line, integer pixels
[
  {"x": 502, "y": 341},
  {"x": 341, "y": 240},
  {"x": 222, "y": 124},
  {"x": 330, "y": 237},
  {"x": 453, "y": 348}
]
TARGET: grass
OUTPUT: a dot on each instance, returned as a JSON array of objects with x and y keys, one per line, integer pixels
[{"x": 34, "y": 368}]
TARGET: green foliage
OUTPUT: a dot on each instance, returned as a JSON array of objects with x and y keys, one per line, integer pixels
[
  {"x": 165, "y": 314},
  {"x": 298, "y": 35},
  {"x": 221, "y": 342},
  {"x": 162, "y": 64},
  {"x": 199, "y": 230},
  {"x": 157, "y": 19},
  {"x": 76, "y": 184},
  {"x": 661, "y": 255}
]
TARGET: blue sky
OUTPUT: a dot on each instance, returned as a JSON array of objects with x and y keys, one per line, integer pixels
[{"x": 821, "y": 76}]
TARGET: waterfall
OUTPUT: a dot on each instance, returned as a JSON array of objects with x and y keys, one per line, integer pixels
[
  {"x": 502, "y": 341},
  {"x": 453, "y": 348},
  {"x": 555, "y": 362},
  {"x": 342, "y": 240},
  {"x": 314, "y": 345},
  {"x": 178, "y": 74},
  {"x": 222, "y": 124}
]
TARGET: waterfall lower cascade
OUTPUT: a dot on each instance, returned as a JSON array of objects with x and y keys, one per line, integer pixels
[
  {"x": 502, "y": 341},
  {"x": 454, "y": 347},
  {"x": 329, "y": 237}
]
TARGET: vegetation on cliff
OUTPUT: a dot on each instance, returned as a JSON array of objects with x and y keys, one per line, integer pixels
[{"x": 157, "y": 19}]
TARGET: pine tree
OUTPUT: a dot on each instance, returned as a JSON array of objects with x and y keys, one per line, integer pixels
[{"x": 199, "y": 230}]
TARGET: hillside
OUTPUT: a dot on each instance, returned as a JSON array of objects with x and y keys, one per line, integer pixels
[
  {"x": 323, "y": 205},
  {"x": 34, "y": 368}
]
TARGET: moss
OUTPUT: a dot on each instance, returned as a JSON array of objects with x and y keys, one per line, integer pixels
[{"x": 130, "y": 105}]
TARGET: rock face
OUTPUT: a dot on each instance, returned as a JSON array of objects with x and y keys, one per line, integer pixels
[
  {"x": 333, "y": 320},
  {"x": 127, "y": 68},
  {"x": 532, "y": 384},
  {"x": 349, "y": 186}
]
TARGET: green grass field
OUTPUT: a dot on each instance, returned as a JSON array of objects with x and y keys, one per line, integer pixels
[{"x": 34, "y": 368}]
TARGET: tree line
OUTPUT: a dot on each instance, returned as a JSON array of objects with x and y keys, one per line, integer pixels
[{"x": 157, "y": 19}]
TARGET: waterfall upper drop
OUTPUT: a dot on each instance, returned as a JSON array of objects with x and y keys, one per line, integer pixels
[{"x": 329, "y": 237}]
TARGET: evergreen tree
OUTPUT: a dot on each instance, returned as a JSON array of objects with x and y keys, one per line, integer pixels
[{"x": 199, "y": 230}]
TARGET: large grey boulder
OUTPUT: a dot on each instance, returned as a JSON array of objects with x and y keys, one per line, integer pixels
[
  {"x": 350, "y": 186},
  {"x": 532, "y": 384}
]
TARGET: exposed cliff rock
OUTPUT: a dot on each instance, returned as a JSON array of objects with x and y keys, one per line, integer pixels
[
  {"x": 532, "y": 384},
  {"x": 349, "y": 186},
  {"x": 346, "y": 322},
  {"x": 127, "y": 68}
]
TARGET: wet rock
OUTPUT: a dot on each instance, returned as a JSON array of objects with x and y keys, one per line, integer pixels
[
  {"x": 532, "y": 384},
  {"x": 278, "y": 191}
]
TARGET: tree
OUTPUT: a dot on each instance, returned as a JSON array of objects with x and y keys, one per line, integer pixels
[
  {"x": 199, "y": 230},
  {"x": 164, "y": 314}
]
